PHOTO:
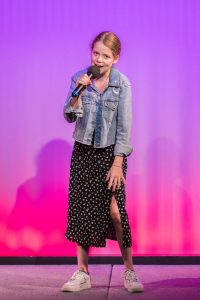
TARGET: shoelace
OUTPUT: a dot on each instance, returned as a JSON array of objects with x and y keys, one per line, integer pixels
[
  {"x": 76, "y": 275},
  {"x": 130, "y": 275}
]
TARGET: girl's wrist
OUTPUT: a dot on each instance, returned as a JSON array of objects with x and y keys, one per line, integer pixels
[
  {"x": 118, "y": 161},
  {"x": 116, "y": 166}
]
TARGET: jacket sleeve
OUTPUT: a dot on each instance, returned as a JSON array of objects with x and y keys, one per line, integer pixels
[
  {"x": 71, "y": 114},
  {"x": 124, "y": 122}
]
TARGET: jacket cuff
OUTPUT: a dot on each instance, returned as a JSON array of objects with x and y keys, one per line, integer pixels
[
  {"x": 78, "y": 112},
  {"x": 122, "y": 150}
]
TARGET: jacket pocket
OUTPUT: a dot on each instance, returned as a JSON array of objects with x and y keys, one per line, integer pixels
[{"x": 109, "y": 108}]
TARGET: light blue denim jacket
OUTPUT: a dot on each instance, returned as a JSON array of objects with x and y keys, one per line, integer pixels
[{"x": 108, "y": 113}]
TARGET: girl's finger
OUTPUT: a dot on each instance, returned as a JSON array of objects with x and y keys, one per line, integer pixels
[
  {"x": 123, "y": 180},
  {"x": 115, "y": 181},
  {"x": 118, "y": 184},
  {"x": 110, "y": 183},
  {"x": 108, "y": 176}
]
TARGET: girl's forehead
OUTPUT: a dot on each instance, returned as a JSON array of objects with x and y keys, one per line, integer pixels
[{"x": 101, "y": 47}]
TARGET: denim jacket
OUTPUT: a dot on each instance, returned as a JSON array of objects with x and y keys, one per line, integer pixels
[{"x": 108, "y": 115}]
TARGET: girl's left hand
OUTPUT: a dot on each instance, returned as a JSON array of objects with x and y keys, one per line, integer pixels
[{"x": 114, "y": 178}]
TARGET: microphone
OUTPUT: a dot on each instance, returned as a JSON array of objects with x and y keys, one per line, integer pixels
[{"x": 92, "y": 72}]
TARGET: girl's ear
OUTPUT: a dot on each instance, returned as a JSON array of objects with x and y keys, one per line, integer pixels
[{"x": 116, "y": 59}]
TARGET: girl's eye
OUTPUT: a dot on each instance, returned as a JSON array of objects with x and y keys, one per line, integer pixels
[{"x": 106, "y": 56}]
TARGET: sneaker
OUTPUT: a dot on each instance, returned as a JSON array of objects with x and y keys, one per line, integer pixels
[
  {"x": 132, "y": 282},
  {"x": 79, "y": 281}
]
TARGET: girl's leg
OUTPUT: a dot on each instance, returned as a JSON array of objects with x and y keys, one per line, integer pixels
[
  {"x": 116, "y": 219},
  {"x": 82, "y": 256},
  {"x": 80, "y": 281}
]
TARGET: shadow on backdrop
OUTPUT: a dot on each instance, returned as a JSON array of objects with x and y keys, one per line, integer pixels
[{"x": 37, "y": 223}]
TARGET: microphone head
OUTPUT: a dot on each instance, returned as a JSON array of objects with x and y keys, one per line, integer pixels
[{"x": 94, "y": 71}]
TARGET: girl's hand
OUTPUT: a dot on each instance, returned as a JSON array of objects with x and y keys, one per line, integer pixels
[
  {"x": 114, "y": 178},
  {"x": 84, "y": 80},
  {"x": 76, "y": 101}
]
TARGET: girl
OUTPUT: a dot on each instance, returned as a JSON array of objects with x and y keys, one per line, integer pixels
[{"x": 102, "y": 134}]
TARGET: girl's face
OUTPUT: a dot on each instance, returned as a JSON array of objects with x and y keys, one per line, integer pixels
[{"x": 103, "y": 57}]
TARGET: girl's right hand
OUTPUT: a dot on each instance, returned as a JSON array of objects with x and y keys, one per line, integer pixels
[{"x": 84, "y": 80}]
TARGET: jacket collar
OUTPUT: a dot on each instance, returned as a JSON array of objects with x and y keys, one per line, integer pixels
[{"x": 114, "y": 78}]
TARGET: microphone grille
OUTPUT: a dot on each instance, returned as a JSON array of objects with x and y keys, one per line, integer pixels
[{"x": 94, "y": 70}]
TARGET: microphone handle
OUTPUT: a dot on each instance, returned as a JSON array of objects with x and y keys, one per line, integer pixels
[{"x": 80, "y": 87}]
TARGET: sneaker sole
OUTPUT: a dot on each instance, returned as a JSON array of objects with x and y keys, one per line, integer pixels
[
  {"x": 136, "y": 290},
  {"x": 72, "y": 289}
]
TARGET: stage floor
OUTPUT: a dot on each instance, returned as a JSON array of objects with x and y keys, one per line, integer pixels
[{"x": 41, "y": 282}]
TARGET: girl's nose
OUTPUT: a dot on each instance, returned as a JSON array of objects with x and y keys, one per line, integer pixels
[{"x": 99, "y": 59}]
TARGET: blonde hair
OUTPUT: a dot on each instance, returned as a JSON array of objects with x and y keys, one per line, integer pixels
[{"x": 110, "y": 40}]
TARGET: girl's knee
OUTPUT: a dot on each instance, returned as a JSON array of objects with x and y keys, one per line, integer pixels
[{"x": 115, "y": 216}]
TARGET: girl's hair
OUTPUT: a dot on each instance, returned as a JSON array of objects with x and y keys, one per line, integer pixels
[{"x": 110, "y": 40}]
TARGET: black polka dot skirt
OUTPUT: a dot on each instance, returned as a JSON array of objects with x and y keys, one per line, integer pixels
[{"x": 89, "y": 221}]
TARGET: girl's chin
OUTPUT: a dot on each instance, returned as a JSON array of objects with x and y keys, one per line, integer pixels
[{"x": 102, "y": 73}]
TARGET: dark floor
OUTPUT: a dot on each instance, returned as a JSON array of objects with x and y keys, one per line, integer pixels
[{"x": 165, "y": 282}]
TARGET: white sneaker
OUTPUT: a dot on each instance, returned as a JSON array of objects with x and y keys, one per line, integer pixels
[
  {"x": 79, "y": 281},
  {"x": 132, "y": 282}
]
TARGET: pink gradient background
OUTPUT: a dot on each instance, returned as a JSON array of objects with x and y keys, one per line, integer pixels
[{"x": 42, "y": 43}]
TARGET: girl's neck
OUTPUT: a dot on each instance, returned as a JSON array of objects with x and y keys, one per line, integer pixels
[{"x": 101, "y": 83}]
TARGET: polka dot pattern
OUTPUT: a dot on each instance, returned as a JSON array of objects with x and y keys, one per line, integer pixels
[{"x": 89, "y": 222}]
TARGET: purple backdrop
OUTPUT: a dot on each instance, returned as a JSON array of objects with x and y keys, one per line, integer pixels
[{"x": 42, "y": 44}]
